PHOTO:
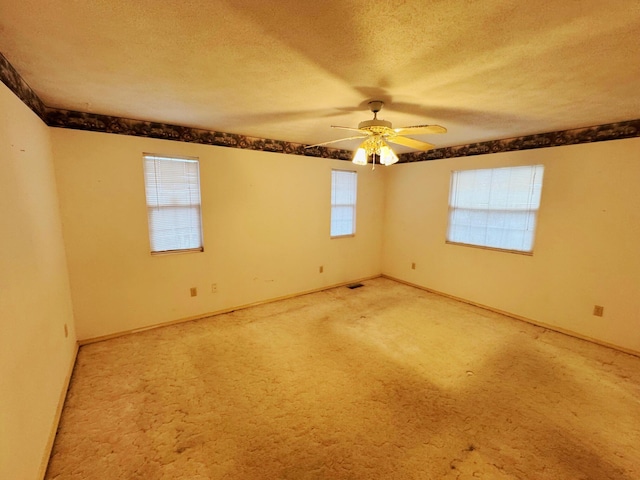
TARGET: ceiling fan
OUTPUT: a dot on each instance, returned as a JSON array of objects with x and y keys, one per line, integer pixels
[{"x": 377, "y": 133}]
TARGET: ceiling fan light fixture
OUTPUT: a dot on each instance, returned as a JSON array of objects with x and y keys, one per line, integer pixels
[
  {"x": 387, "y": 156},
  {"x": 360, "y": 158},
  {"x": 375, "y": 145}
]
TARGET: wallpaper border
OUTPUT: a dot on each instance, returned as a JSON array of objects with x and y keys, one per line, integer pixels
[
  {"x": 598, "y": 133},
  {"x": 140, "y": 128},
  {"x": 12, "y": 79},
  {"x": 55, "y": 117}
]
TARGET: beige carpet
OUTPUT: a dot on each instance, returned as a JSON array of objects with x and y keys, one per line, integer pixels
[{"x": 381, "y": 382}]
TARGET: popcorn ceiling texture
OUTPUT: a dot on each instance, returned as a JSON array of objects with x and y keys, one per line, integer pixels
[
  {"x": 56, "y": 117},
  {"x": 381, "y": 382},
  {"x": 287, "y": 70}
]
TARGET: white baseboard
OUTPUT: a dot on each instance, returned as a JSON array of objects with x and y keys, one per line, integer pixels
[
  {"x": 56, "y": 420},
  {"x": 101, "y": 338},
  {"x": 524, "y": 319}
]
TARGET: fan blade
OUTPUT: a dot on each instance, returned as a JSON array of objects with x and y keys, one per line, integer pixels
[
  {"x": 335, "y": 141},
  {"x": 350, "y": 128},
  {"x": 420, "y": 130},
  {"x": 410, "y": 142}
]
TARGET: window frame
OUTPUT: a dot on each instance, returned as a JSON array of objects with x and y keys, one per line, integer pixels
[
  {"x": 334, "y": 204},
  {"x": 158, "y": 207},
  {"x": 532, "y": 210}
]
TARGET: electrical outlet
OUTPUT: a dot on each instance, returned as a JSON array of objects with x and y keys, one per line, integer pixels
[
  {"x": 194, "y": 291},
  {"x": 413, "y": 266},
  {"x": 598, "y": 310},
  {"x": 214, "y": 287},
  {"x": 321, "y": 269}
]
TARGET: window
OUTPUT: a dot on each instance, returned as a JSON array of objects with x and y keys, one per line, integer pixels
[
  {"x": 172, "y": 187},
  {"x": 496, "y": 207},
  {"x": 343, "y": 203}
]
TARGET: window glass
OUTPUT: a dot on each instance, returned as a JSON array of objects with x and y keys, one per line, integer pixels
[
  {"x": 172, "y": 187},
  {"x": 343, "y": 203},
  {"x": 495, "y": 207}
]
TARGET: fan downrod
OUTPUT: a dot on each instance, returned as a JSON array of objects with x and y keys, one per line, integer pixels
[{"x": 376, "y": 126}]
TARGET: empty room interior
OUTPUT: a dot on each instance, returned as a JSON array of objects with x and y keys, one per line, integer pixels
[{"x": 320, "y": 240}]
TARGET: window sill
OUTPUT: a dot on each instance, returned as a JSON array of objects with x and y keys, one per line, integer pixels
[
  {"x": 175, "y": 252},
  {"x": 495, "y": 249},
  {"x": 342, "y": 236}
]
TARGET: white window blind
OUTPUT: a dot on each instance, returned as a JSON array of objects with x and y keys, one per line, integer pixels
[
  {"x": 343, "y": 202},
  {"x": 172, "y": 187},
  {"x": 495, "y": 207}
]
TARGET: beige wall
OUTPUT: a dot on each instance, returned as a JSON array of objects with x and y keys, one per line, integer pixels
[
  {"x": 266, "y": 223},
  {"x": 266, "y": 231},
  {"x": 35, "y": 302},
  {"x": 587, "y": 244}
]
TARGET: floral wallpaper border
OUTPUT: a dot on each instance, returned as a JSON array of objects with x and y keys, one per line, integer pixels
[
  {"x": 123, "y": 126},
  {"x": 12, "y": 79},
  {"x": 599, "y": 133}
]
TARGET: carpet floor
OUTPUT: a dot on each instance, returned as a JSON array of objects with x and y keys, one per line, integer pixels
[{"x": 385, "y": 381}]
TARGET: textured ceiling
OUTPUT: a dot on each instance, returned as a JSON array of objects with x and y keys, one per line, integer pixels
[{"x": 287, "y": 70}]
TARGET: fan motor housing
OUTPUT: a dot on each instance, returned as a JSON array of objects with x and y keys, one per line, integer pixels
[{"x": 372, "y": 124}]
